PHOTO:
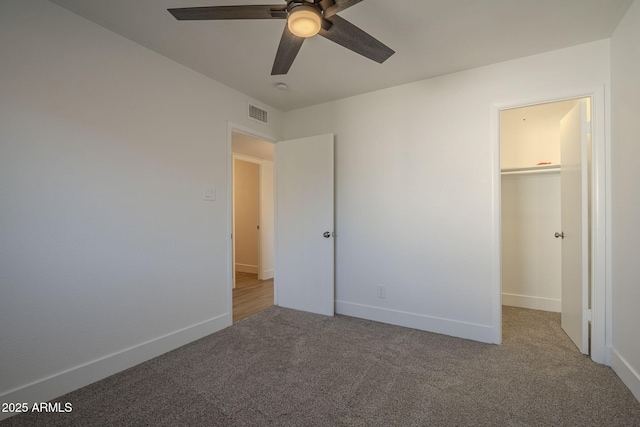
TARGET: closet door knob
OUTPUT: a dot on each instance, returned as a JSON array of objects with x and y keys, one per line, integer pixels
[{"x": 559, "y": 235}]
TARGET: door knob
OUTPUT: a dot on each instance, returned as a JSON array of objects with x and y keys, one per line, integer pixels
[
  {"x": 326, "y": 234},
  {"x": 559, "y": 235}
]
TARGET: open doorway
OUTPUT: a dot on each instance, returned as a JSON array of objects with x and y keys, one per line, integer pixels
[
  {"x": 252, "y": 225},
  {"x": 545, "y": 197}
]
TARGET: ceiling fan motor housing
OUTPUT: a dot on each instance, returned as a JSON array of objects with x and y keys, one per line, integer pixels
[{"x": 305, "y": 19}]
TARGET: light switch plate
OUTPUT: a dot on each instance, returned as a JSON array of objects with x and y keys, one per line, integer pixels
[{"x": 209, "y": 193}]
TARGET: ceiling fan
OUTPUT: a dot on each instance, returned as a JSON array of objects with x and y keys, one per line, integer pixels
[{"x": 305, "y": 18}]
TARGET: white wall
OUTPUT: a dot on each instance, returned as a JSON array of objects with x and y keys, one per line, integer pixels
[
  {"x": 251, "y": 146},
  {"x": 531, "y": 255},
  {"x": 625, "y": 175},
  {"x": 530, "y": 135},
  {"x": 415, "y": 208},
  {"x": 267, "y": 221},
  {"x": 246, "y": 215},
  {"x": 108, "y": 253}
]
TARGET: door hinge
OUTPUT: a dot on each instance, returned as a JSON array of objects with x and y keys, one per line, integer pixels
[{"x": 588, "y": 314}]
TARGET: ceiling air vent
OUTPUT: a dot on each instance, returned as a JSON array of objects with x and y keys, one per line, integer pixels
[{"x": 258, "y": 114}]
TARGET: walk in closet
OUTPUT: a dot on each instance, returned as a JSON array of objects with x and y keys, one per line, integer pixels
[{"x": 530, "y": 160}]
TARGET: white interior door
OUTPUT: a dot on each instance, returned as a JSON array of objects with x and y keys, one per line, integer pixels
[
  {"x": 574, "y": 134},
  {"x": 304, "y": 215}
]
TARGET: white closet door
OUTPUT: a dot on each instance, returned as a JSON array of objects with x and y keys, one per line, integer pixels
[{"x": 575, "y": 133}]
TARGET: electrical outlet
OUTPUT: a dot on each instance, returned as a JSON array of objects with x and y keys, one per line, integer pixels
[{"x": 382, "y": 291}]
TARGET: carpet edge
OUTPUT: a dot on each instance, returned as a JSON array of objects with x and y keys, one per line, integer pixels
[{"x": 64, "y": 382}]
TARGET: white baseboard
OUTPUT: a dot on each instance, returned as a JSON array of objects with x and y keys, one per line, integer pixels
[
  {"x": 629, "y": 376},
  {"x": 534, "y": 303},
  {"x": 72, "y": 379},
  {"x": 267, "y": 274},
  {"x": 472, "y": 331},
  {"x": 246, "y": 268}
]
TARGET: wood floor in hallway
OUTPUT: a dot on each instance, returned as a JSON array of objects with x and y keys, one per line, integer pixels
[{"x": 251, "y": 295}]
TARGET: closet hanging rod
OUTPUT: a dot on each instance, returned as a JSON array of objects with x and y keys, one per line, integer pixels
[{"x": 530, "y": 169}]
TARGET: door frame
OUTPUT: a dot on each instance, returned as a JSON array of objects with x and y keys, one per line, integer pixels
[
  {"x": 231, "y": 127},
  {"x": 601, "y": 315}
]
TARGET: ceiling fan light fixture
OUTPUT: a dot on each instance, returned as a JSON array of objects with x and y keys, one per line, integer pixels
[{"x": 304, "y": 21}]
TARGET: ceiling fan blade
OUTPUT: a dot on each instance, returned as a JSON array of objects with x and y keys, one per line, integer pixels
[
  {"x": 276, "y": 11},
  {"x": 339, "y": 6},
  {"x": 348, "y": 35},
  {"x": 287, "y": 51}
]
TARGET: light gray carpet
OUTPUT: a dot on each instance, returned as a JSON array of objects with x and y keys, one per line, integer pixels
[{"x": 289, "y": 368}]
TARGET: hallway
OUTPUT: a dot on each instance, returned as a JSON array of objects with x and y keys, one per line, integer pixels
[{"x": 251, "y": 295}]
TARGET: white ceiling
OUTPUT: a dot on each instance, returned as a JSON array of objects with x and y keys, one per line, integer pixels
[{"x": 430, "y": 37}]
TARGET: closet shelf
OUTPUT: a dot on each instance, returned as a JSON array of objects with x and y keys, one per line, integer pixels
[{"x": 530, "y": 169}]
